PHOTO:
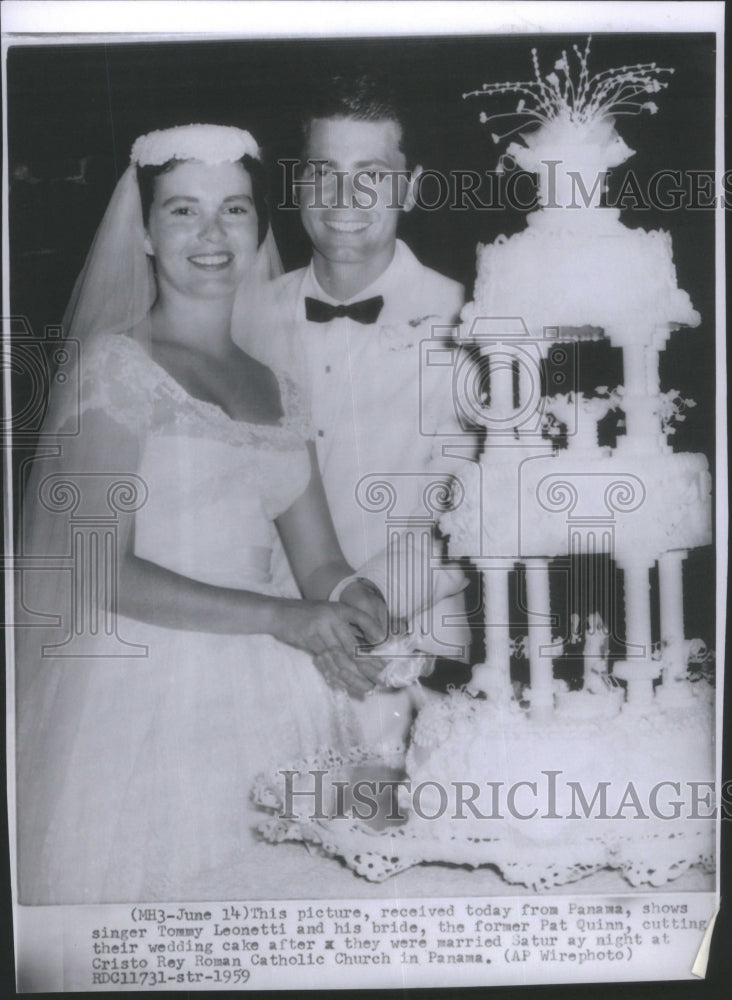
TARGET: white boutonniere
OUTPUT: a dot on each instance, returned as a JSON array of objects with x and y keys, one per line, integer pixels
[{"x": 419, "y": 320}]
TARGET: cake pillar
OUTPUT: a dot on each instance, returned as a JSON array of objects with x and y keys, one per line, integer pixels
[
  {"x": 501, "y": 383},
  {"x": 638, "y": 669},
  {"x": 653, "y": 380},
  {"x": 671, "y": 591},
  {"x": 637, "y": 606},
  {"x": 541, "y": 666},
  {"x": 494, "y": 675},
  {"x": 529, "y": 388},
  {"x": 585, "y": 436},
  {"x": 530, "y": 400},
  {"x": 640, "y": 373}
]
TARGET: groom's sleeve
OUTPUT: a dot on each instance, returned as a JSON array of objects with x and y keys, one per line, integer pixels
[
  {"x": 390, "y": 568},
  {"x": 453, "y": 447}
]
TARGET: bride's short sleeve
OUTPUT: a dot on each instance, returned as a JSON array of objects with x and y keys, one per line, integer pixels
[{"x": 115, "y": 378}]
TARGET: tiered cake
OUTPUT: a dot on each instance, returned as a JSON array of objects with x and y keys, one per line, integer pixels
[{"x": 543, "y": 514}]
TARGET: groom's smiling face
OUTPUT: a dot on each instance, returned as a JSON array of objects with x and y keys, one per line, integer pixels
[{"x": 350, "y": 204}]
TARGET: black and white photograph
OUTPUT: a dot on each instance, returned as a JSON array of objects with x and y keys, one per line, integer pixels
[{"x": 365, "y": 495}]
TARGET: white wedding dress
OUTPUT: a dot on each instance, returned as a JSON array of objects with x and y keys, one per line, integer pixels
[{"x": 134, "y": 773}]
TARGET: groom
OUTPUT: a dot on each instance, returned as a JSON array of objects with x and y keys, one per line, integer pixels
[{"x": 355, "y": 318}]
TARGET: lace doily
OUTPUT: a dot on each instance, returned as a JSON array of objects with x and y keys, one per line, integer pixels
[{"x": 376, "y": 854}]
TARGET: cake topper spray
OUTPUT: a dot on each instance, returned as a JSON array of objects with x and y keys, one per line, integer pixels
[
  {"x": 569, "y": 118},
  {"x": 611, "y": 93}
]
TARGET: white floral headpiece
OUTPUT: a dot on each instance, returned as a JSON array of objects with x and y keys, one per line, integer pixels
[{"x": 209, "y": 144}]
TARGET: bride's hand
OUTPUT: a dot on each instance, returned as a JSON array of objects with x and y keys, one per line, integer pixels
[{"x": 331, "y": 632}]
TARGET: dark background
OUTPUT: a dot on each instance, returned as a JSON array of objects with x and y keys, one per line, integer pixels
[{"x": 74, "y": 111}]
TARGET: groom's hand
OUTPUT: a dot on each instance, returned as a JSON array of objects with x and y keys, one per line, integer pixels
[{"x": 367, "y": 597}]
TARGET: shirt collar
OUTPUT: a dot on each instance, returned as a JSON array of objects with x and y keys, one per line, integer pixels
[{"x": 382, "y": 285}]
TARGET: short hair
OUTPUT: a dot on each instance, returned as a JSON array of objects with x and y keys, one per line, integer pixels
[
  {"x": 146, "y": 182},
  {"x": 363, "y": 98}
]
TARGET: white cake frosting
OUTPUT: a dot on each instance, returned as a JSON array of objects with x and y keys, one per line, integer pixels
[
  {"x": 572, "y": 267},
  {"x": 642, "y": 502},
  {"x": 651, "y": 818}
]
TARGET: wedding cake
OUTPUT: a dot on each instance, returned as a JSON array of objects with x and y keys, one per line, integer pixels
[{"x": 577, "y": 520}]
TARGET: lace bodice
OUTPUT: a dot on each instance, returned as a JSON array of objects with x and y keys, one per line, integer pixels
[
  {"x": 118, "y": 376},
  {"x": 214, "y": 484}
]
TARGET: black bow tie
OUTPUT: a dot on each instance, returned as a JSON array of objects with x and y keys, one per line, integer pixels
[{"x": 366, "y": 311}]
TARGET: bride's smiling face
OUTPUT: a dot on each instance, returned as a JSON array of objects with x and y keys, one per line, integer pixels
[{"x": 202, "y": 229}]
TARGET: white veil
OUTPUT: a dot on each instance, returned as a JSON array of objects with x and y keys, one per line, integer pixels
[{"x": 116, "y": 287}]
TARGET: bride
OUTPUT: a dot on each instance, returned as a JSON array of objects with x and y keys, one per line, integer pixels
[{"x": 178, "y": 672}]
